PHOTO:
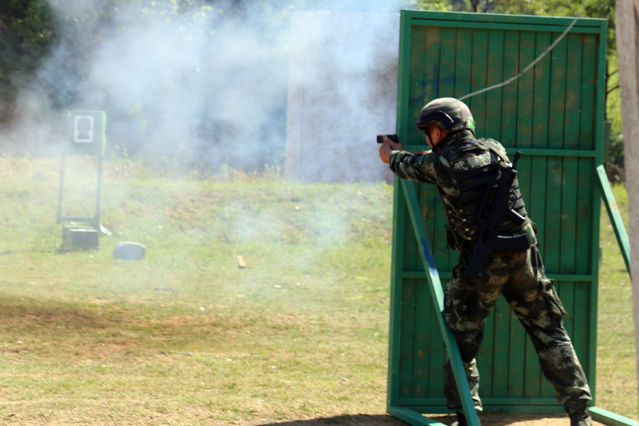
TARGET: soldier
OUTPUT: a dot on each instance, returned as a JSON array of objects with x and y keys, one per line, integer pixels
[{"x": 467, "y": 173}]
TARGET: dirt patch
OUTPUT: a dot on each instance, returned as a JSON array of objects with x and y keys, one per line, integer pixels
[
  {"x": 487, "y": 419},
  {"x": 503, "y": 419}
]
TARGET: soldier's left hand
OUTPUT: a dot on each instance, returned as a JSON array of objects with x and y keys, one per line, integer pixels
[{"x": 386, "y": 148}]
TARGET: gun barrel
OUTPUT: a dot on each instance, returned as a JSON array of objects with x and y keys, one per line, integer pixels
[{"x": 393, "y": 137}]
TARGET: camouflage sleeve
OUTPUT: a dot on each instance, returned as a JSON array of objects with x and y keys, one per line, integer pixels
[{"x": 413, "y": 167}]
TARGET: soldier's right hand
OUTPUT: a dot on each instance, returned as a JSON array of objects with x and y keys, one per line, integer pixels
[
  {"x": 386, "y": 148},
  {"x": 397, "y": 146}
]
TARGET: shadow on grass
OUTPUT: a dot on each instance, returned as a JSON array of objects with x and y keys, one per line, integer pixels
[{"x": 30, "y": 313}]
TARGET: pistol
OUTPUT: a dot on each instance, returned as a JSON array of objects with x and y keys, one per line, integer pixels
[{"x": 393, "y": 137}]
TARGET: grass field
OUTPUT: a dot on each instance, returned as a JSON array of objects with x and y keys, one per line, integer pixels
[{"x": 185, "y": 336}]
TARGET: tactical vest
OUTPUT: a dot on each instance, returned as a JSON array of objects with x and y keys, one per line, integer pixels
[{"x": 469, "y": 177}]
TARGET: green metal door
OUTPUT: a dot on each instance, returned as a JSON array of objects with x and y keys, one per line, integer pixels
[{"x": 553, "y": 114}]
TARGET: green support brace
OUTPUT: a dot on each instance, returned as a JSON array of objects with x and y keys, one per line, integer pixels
[
  {"x": 437, "y": 298},
  {"x": 412, "y": 417},
  {"x": 615, "y": 217},
  {"x": 600, "y": 414},
  {"x": 611, "y": 419}
]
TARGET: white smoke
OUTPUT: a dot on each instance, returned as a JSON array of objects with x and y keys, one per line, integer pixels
[
  {"x": 342, "y": 91},
  {"x": 203, "y": 85}
]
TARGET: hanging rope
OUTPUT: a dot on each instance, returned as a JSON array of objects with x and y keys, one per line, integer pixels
[{"x": 529, "y": 66}]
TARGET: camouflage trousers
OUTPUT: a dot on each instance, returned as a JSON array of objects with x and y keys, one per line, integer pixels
[{"x": 520, "y": 278}]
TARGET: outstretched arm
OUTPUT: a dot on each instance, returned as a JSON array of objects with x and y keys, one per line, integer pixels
[{"x": 389, "y": 146}]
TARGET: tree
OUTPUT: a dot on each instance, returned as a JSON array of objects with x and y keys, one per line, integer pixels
[{"x": 27, "y": 32}]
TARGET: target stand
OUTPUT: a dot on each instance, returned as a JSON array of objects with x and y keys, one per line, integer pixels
[{"x": 86, "y": 130}]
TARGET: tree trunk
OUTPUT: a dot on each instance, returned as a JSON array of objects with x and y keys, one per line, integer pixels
[{"x": 627, "y": 16}]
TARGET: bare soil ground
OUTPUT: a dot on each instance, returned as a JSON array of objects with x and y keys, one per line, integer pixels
[{"x": 487, "y": 419}]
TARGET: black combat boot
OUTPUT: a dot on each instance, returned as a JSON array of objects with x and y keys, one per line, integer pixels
[
  {"x": 580, "y": 418},
  {"x": 461, "y": 420}
]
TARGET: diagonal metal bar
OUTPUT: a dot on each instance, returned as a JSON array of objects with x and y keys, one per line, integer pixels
[
  {"x": 434, "y": 283},
  {"x": 412, "y": 417},
  {"x": 611, "y": 419},
  {"x": 614, "y": 215}
]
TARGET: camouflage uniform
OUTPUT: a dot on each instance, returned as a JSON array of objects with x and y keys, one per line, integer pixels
[{"x": 518, "y": 275}]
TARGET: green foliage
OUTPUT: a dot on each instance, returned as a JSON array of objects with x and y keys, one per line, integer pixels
[
  {"x": 27, "y": 32},
  {"x": 614, "y": 159},
  {"x": 439, "y": 5}
]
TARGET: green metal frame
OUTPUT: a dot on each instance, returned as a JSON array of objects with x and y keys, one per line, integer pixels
[{"x": 560, "y": 135}]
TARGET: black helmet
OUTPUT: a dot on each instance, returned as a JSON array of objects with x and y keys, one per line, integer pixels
[{"x": 450, "y": 113}]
